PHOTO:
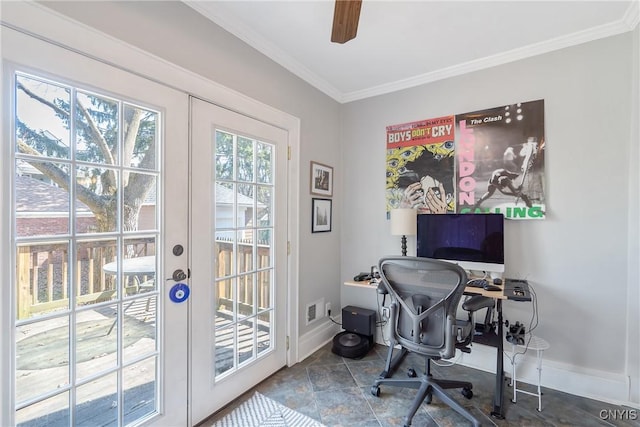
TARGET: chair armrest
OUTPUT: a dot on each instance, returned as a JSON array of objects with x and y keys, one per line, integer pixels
[{"x": 477, "y": 302}]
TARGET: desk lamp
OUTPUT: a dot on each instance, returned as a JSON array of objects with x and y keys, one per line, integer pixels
[{"x": 403, "y": 223}]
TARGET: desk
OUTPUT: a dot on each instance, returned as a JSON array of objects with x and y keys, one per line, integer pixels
[{"x": 499, "y": 296}]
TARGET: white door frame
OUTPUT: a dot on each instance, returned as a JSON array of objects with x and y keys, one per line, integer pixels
[{"x": 39, "y": 21}]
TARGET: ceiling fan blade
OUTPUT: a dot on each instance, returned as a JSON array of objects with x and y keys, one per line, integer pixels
[{"x": 345, "y": 20}]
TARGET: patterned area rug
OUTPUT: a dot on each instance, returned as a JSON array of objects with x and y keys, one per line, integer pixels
[{"x": 260, "y": 411}]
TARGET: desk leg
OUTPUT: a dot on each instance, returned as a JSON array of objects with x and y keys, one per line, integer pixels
[{"x": 498, "y": 394}]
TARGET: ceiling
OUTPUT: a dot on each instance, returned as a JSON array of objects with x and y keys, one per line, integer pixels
[{"x": 402, "y": 44}]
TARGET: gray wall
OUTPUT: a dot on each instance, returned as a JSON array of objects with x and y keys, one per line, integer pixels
[
  {"x": 577, "y": 259},
  {"x": 175, "y": 32}
]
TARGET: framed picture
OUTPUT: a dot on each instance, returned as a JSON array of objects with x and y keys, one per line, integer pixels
[
  {"x": 321, "y": 179},
  {"x": 320, "y": 215}
]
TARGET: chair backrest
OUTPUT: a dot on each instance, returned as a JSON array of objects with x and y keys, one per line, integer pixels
[{"x": 425, "y": 294}]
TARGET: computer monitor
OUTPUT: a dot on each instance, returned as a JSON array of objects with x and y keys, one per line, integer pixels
[{"x": 473, "y": 241}]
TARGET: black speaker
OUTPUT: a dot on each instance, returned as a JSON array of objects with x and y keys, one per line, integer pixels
[{"x": 359, "y": 320}]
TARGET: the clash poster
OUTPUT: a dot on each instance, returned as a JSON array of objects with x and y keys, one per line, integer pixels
[
  {"x": 420, "y": 165},
  {"x": 485, "y": 161},
  {"x": 500, "y": 161}
]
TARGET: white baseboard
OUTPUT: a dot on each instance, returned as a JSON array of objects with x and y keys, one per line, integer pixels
[
  {"x": 603, "y": 386},
  {"x": 313, "y": 340}
]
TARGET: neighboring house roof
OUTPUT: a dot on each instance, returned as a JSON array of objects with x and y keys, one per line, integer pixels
[
  {"x": 224, "y": 196},
  {"x": 37, "y": 197}
]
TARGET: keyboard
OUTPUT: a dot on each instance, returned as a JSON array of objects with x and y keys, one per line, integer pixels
[{"x": 477, "y": 283}]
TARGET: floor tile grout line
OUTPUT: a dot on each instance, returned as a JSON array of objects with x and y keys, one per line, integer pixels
[{"x": 375, "y": 415}]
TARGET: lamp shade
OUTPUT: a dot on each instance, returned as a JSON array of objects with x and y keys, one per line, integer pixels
[{"x": 403, "y": 222}]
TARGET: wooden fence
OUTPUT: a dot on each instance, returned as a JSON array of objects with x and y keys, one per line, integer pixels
[{"x": 43, "y": 282}]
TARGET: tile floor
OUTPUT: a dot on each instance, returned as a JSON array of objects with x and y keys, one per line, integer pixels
[{"x": 336, "y": 391}]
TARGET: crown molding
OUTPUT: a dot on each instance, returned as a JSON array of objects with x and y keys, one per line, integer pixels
[{"x": 627, "y": 23}]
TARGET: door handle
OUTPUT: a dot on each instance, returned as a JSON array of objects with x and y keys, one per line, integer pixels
[{"x": 179, "y": 275}]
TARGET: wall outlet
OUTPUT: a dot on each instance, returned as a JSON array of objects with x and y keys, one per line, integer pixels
[{"x": 327, "y": 309}]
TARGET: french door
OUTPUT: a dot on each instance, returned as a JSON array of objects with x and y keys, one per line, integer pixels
[
  {"x": 239, "y": 256},
  {"x": 94, "y": 178},
  {"x": 108, "y": 205}
]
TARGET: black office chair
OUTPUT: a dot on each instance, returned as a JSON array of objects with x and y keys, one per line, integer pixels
[{"x": 425, "y": 294}]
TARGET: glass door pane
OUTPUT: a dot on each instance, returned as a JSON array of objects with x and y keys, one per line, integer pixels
[
  {"x": 243, "y": 226},
  {"x": 86, "y": 230}
]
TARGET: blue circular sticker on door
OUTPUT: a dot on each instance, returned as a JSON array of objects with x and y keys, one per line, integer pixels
[{"x": 179, "y": 292}]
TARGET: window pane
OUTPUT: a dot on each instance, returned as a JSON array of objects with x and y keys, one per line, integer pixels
[
  {"x": 265, "y": 206},
  {"x": 42, "y": 118},
  {"x": 245, "y": 251},
  {"x": 264, "y": 331},
  {"x": 97, "y": 402},
  {"x": 96, "y": 341},
  {"x": 99, "y": 186},
  {"x": 42, "y": 357},
  {"x": 42, "y": 274},
  {"x": 246, "y": 295},
  {"x": 265, "y": 247},
  {"x": 140, "y": 195},
  {"x": 246, "y": 340},
  {"x": 140, "y": 138},
  {"x": 97, "y": 127},
  {"x": 265, "y": 153},
  {"x": 245, "y": 205},
  {"x": 264, "y": 289},
  {"x": 224, "y": 351},
  {"x": 224, "y": 302},
  {"x": 225, "y": 199},
  {"x": 139, "y": 328},
  {"x": 224, "y": 155},
  {"x": 41, "y": 414},
  {"x": 244, "y": 158},
  {"x": 42, "y": 206},
  {"x": 94, "y": 281},
  {"x": 140, "y": 390}
]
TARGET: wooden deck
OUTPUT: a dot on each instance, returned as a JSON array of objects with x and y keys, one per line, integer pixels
[
  {"x": 42, "y": 366},
  {"x": 43, "y": 363}
]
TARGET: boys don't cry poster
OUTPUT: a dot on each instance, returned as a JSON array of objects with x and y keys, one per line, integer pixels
[{"x": 420, "y": 165}]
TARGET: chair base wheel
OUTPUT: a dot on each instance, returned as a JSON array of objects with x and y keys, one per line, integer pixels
[
  {"x": 375, "y": 390},
  {"x": 467, "y": 392},
  {"x": 411, "y": 373}
]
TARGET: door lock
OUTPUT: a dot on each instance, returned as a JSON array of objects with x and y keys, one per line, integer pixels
[{"x": 179, "y": 275}]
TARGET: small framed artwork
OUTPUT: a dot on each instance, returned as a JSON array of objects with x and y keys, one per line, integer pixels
[
  {"x": 320, "y": 215},
  {"x": 321, "y": 179}
]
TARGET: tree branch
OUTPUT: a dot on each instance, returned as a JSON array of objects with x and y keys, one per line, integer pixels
[
  {"x": 63, "y": 180},
  {"x": 97, "y": 135},
  {"x": 91, "y": 127}
]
